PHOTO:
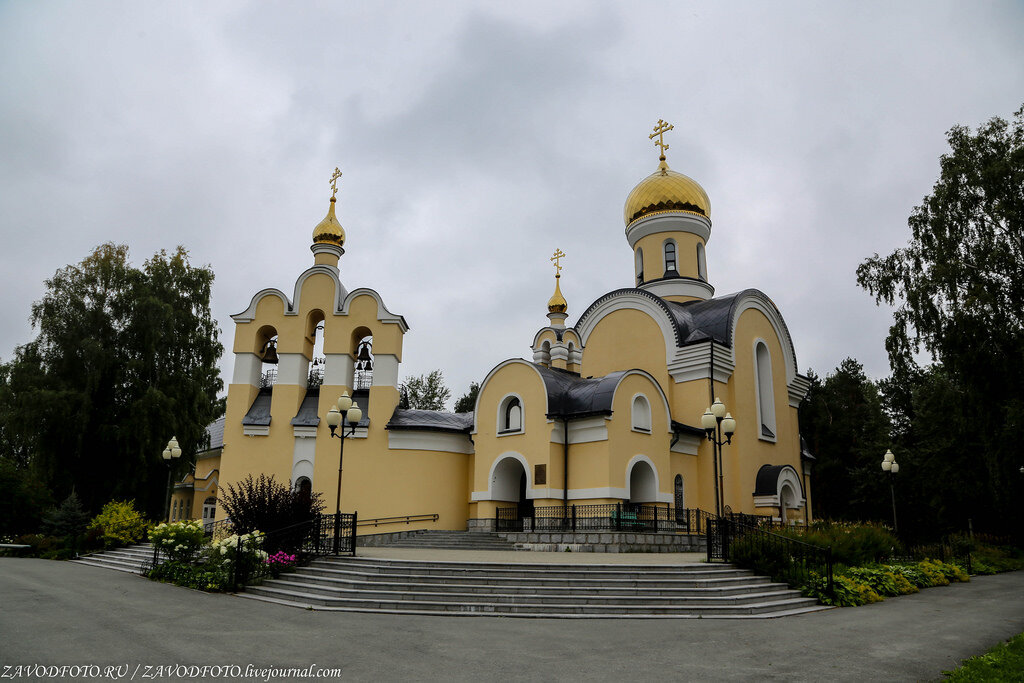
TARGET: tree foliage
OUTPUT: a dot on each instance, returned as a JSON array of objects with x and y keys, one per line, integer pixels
[
  {"x": 958, "y": 288},
  {"x": 425, "y": 392},
  {"x": 845, "y": 425},
  {"x": 125, "y": 358},
  {"x": 467, "y": 402},
  {"x": 959, "y": 284}
]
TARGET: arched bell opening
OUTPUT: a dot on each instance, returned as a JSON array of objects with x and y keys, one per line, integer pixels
[
  {"x": 362, "y": 353},
  {"x": 316, "y": 327},
  {"x": 266, "y": 349}
]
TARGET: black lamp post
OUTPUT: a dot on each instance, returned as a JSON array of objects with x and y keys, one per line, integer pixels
[
  {"x": 346, "y": 415},
  {"x": 716, "y": 422},
  {"x": 890, "y": 465},
  {"x": 170, "y": 454}
]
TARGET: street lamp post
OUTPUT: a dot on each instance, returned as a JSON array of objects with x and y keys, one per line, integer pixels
[
  {"x": 171, "y": 453},
  {"x": 890, "y": 465},
  {"x": 716, "y": 421},
  {"x": 346, "y": 414}
]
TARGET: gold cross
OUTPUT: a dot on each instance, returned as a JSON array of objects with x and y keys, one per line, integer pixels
[
  {"x": 660, "y": 131},
  {"x": 334, "y": 182},
  {"x": 558, "y": 266}
]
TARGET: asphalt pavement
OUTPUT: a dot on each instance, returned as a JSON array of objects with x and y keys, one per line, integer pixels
[{"x": 59, "y": 613}]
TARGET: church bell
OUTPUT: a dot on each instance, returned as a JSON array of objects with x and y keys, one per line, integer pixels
[
  {"x": 364, "y": 361},
  {"x": 270, "y": 353}
]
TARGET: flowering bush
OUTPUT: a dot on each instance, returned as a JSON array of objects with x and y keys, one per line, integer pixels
[
  {"x": 180, "y": 540},
  {"x": 120, "y": 524},
  {"x": 279, "y": 562},
  {"x": 240, "y": 547}
]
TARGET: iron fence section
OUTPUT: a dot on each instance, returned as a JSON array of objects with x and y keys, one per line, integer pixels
[
  {"x": 633, "y": 517},
  {"x": 784, "y": 559}
]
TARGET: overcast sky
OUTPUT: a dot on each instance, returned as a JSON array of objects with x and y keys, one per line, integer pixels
[{"x": 475, "y": 138}]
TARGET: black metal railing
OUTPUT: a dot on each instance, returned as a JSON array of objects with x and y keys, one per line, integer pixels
[
  {"x": 323, "y": 535},
  {"x": 785, "y": 559},
  {"x": 218, "y": 529},
  {"x": 948, "y": 549},
  {"x": 401, "y": 519},
  {"x": 633, "y": 517}
]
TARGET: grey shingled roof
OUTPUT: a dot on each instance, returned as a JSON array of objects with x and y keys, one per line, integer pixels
[
  {"x": 431, "y": 420},
  {"x": 307, "y": 415},
  {"x": 569, "y": 395},
  {"x": 215, "y": 434},
  {"x": 259, "y": 412}
]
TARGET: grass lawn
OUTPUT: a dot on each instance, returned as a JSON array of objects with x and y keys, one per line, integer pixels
[{"x": 1004, "y": 662}]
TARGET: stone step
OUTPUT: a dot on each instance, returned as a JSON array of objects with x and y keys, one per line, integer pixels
[
  {"x": 469, "y": 585},
  {"x": 531, "y": 589},
  {"x": 547, "y": 609},
  {"x": 559, "y": 596}
]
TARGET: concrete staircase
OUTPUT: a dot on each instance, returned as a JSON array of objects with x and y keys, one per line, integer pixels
[
  {"x": 453, "y": 540},
  {"x": 531, "y": 590},
  {"x": 130, "y": 559}
]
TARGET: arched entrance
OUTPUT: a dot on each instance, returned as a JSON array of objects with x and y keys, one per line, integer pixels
[
  {"x": 510, "y": 483},
  {"x": 643, "y": 483}
]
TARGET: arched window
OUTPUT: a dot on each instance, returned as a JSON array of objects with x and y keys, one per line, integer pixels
[
  {"x": 670, "y": 257},
  {"x": 639, "y": 266},
  {"x": 702, "y": 264},
  {"x": 680, "y": 501},
  {"x": 510, "y": 415},
  {"x": 362, "y": 373},
  {"x": 304, "y": 486},
  {"x": 209, "y": 510},
  {"x": 545, "y": 352},
  {"x": 641, "y": 414},
  {"x": 765, "y": 391}
]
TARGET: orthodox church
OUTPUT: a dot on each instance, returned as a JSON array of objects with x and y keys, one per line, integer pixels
[{"x": 625, "y": 406}]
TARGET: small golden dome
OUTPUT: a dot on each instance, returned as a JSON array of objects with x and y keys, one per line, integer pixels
[
  {"x": 557, "y": 303},
  {"x": 329, "y": 229},
  {"x": 666, "y": 190}
]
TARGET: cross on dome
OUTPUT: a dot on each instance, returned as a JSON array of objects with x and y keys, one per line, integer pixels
[
  {"x": 334, "y": 182},
  {"x": 660, "y": 130}
]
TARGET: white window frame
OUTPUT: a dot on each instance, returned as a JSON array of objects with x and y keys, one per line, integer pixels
[
  {"x": 503, "y": 407},
  {"x": 764, "y": 393},
  {"x": 644, "y": 429}
]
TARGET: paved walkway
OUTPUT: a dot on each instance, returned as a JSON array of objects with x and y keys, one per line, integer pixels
[{"x": 63, "y": 613}]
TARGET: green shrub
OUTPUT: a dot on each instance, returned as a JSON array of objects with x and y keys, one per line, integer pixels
[
  {"x": 180, "y": 540},
  {"x": 847, "y": 591},
  {"x": 120, "y": 524},
  {"x": 210, "y": 577},
  {"x": 882, "y": 580},
  {"x": 852, "y": 544},
  {"x": 38, "y": 544},
  {"x": 996, "y": 558}
]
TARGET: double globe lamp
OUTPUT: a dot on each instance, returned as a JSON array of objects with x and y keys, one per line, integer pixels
[
  {"x": 716, "y": 418},
  {"x": 346, "y": 414},
  {"x": 171, "y": 453}
]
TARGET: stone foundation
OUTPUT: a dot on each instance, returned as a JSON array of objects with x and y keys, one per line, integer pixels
[
  {"x": 607, "y": 542},
  {"x": 485, "y": 525},
  {"x": 373, "y": 540}
]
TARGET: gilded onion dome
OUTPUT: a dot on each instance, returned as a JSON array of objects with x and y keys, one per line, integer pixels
[
  {"x": 557, "y": 303},
  {"x": 329, "y": 230},
  {"x": 663, "y": 191}
]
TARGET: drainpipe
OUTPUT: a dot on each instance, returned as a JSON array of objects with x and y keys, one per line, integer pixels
[
  {"x": 565, "y": 466},
  {"x": 714, "y": 445}
]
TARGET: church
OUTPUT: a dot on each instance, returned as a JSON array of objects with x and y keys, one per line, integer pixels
[{"x": 659, "y": 394}]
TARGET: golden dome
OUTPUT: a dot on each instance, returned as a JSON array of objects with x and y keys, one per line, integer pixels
[
  {"x": 557, "y": 303},
  {"x": 329, "y": 229},
  {"x": 665, "y": 190}
]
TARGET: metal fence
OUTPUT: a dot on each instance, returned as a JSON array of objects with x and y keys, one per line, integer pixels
[
  {"x": 633, "y": 517},
  {"x": 737, "y": 540}
]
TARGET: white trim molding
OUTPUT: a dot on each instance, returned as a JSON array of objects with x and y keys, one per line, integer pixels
[
  {"x": 678, "y": 286},
  {"x": 413, "y": 440},
  {"x": 654, "y": 224}
]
